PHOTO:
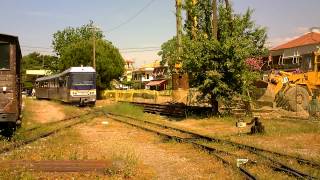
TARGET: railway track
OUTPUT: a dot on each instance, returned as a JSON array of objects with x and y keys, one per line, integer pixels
[
  {"x": 228, "y": 152},
  {"x": 182, "y": 111},
  {"x": 67, "y": 125},
  {"x": 56, "y": 122},
  {"x": 65, "y": 166}
]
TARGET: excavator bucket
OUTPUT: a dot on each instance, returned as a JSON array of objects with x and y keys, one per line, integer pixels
[
  {"x": 264, "y": 94},
  {"x": 261, "y": 84}
]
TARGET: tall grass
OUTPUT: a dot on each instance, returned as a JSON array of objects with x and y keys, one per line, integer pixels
[{"x": 125, "y": 109}]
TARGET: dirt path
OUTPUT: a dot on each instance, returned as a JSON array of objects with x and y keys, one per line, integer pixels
[
  {"x": 157, "y": 159},
  {"x": 45, "y": 111}
]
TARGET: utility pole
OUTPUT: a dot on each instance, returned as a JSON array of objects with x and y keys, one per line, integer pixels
[
  {"x": 94, "y": 47},
  {"x": 42, "y": 61},
  {"x": 179, "y": 26}
]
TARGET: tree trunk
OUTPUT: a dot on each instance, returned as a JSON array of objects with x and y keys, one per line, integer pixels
[
  {"x": 214, "y": 22},
  {"x": 214, "y": 104},
  {"x": 227, "y": 4}
]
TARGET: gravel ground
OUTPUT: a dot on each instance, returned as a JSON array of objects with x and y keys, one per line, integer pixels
[{"x": 157, "y": 158}]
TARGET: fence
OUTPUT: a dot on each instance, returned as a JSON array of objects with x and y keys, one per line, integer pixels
[{"x": 148, "y": 96}]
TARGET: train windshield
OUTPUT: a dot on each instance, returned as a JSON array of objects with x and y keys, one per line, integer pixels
[
  {"x": 4, "y": 56},
  {"x": 83, "y": 81}
]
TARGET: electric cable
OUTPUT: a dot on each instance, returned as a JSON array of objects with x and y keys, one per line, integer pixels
[{"x": 131, "y": 18}]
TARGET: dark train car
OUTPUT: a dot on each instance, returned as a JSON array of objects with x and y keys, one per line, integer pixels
[
  {"x": 10, "y": 89},
  {"x": 76, "y": 85}
]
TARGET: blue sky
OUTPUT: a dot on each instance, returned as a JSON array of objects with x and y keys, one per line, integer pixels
[{"x": 34, "y": 21}]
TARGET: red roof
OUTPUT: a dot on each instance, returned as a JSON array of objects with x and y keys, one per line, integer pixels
[
  {"x": 155, "y": 83},
  {"x": 307, "y": 39}
]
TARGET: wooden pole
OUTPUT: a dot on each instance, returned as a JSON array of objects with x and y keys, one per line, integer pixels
[
  {"x": 179, "y": 26},
  {"x": 94, "y": 48}
]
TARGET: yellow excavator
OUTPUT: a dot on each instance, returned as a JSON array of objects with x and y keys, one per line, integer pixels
[{"x": 292, "y": 91}]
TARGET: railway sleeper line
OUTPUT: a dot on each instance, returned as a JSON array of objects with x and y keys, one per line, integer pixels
[
  {"x": 57, "y": 122},
  {"x": 242, "y": 170},
  {"x": 19, "y": 144},
  {"x": 274, "y": 164},
  {"x": 238, "y": 145}
]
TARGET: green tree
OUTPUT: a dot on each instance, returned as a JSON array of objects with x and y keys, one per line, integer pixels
[
  {"x": 35, "y": 61},
  {"x": 217, "y": 67},
  {"x": 75, "y": 47},
  {"x": 70, "y": 35}
]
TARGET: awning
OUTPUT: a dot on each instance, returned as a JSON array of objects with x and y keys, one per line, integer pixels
[{"x": 155, "y": 83}]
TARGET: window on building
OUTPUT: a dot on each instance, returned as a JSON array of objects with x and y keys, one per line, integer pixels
[
  {"x": 147, "y": 76},
  {"x": 4, "y": 56}
]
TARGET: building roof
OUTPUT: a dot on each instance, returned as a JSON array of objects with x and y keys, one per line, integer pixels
[
  {"x": 129, "y": 61},
  {"x": 152, "y": 65},
  {"x": 155, "y": 83},
  {"x": 306, "y": 39},
  {"x": 148, "y": 67}
]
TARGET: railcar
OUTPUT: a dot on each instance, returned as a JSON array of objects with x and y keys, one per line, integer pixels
[
  {"x": 76, "y": 85},
  {"x": 10, "y": 88}
]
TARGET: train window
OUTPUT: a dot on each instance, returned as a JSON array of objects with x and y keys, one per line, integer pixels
[{"x": 4, "y": 56}]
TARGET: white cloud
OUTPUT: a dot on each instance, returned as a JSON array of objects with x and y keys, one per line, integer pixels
[
  {"x": 141, "y": 58},
  {"x": 297, "y": 32},
  {"x": 47, "y": 14},
  {"x": 279, "y": 40}
]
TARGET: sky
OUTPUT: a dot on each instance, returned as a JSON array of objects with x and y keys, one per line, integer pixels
[{"x": 130, "y": 24}]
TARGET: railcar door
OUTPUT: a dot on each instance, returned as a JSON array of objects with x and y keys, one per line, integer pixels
[{"x": 9, "y": 105}]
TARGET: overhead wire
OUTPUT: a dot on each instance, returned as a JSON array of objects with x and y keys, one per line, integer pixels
[
  {"x": 138, "y": 49},
  {"x": 126, "y": 52},
  {"x": 130, "y": 18},
  {"x": 35, "y": 47},
  {"x": 30, "y": 48}
]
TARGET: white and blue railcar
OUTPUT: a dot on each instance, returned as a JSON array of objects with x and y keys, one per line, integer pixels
[{"x": 76, "y": 85}]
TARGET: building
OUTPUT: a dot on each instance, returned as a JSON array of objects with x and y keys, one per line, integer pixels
[
  {"x": 297, "y": 54},
  {"x": 143, "y": 75},
  {"x": 160, "y": 77},
  {"x": 126, "y": 79},
  {"x": 128, "y": 70}
]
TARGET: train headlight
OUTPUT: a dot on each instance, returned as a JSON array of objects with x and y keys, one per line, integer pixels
[
  {"x": 73, "y": 93},
  {"x": 92, "y": 92}
]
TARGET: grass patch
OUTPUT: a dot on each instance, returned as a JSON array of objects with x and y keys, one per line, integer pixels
[
  {"x": 16, "y": 174},
  {"x": 124, "y": 161},
  {"x": 125, "y": 109},
  {"x": 279, "y": 127},
  {"x": 28, "y": 117}
]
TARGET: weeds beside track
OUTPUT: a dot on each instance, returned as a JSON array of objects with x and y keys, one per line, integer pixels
[
  {"x": 77, "y": 120},
  {"x": 273, "y": 160}
]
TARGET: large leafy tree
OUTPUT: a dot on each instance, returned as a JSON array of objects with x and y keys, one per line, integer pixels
[
  {"x": 74, "y": 46},
  {"x": 216, "y": 63},
  {"x": 35, "y": 61}
]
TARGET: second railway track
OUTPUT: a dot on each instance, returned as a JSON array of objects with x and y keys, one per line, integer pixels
[
  {"x": 75, "y": 121},
  {"x": 229, "y": 152}
]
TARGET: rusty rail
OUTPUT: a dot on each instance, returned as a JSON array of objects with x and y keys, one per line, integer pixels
[
  {"x": 19, "y": 144},
  {"x": 274, "y": 164},
  {"x": 58, "y": 165}
]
